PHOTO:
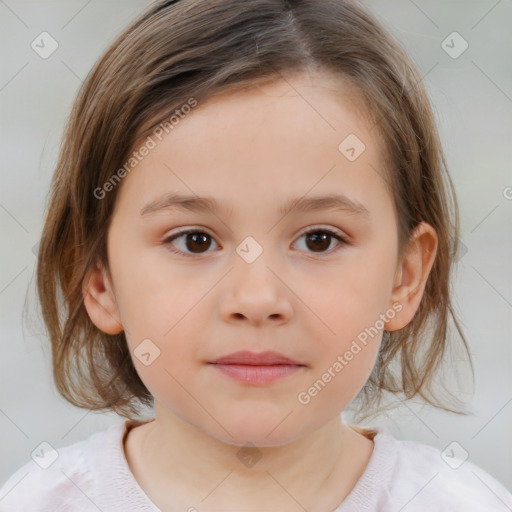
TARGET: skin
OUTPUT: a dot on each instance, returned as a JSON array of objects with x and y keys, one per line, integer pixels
[{"x": 252, "y": 151}]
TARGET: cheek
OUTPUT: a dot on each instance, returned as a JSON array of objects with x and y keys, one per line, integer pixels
[
  {"x": 171, "y": 337},
  {"x": 348, "y": 300},
  {"x": 168, "y": 383},
  {"x": 344, "y": 358},
  {"x": 162, "y": 328},
  {"x": 350, "y": 313},
  {"x": 154, "y": 295},
  {"x": 339, "y": 376}
]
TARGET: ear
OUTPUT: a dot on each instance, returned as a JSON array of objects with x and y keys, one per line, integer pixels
[
  {"x": 412, "y": 274},
  {"x": 100, "y": 301}
]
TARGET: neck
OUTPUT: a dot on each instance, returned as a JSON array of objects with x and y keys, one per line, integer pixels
[{"x": 314, "y": 472}]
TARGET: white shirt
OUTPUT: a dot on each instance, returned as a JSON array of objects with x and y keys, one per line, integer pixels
[{"x": 93, "y": 475}]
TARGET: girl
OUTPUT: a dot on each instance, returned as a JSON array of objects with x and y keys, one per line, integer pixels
[{"x": 249, "y": 229}]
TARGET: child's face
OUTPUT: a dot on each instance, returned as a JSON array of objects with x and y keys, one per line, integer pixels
[{"x": 306, "y": 298}]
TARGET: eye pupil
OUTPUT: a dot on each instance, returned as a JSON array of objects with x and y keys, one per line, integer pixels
[
  {"x": 199, "y": 242},
  {"x": 320, "y": 239},
  {"x": 198, "y": 239}
]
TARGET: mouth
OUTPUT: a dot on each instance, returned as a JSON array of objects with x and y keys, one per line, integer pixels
[{"x": 257, "y": 368}]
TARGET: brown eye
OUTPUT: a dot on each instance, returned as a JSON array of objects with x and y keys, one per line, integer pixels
[
  {"x": 320, "y": 240},
  {"x": 191, "y": 242},
  {"x": 195, "y": 242}
]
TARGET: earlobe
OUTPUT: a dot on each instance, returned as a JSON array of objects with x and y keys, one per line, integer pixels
[
  {"x": 100, "y": 301},
  {"x": 411, "y": 277}
]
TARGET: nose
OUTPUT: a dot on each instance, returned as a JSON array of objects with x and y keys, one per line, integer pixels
[{"x": 256, "y": 294}]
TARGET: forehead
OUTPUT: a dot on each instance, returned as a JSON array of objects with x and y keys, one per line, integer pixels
[
  {"x": 324, "y": 98},
  {"x": 266, "y": 142}
]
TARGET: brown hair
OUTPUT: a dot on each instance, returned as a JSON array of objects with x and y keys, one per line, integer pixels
[{"x": 177, "y": 50}]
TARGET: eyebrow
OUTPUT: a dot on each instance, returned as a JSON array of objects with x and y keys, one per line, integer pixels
[{"x": 194, "y": 203}]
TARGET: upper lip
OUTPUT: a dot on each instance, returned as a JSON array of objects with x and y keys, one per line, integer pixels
[{"x": 256, "y": 358}]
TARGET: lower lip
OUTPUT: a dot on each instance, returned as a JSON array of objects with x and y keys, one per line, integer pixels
[{"x": 255, "y": 375}]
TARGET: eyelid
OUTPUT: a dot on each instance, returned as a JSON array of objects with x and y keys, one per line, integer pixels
[
  {"x": 189, "y": 229},
  {"x": 322, "y": 227},
  {"x": 306, "y": 230},
  {"x": 168, "y": 239},
  {"x": 343, "y": 239}
]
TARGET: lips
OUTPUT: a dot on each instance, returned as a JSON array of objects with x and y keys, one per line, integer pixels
[
  {"x": 246, "y": 357},
  {"x": 257, "y": 369}
]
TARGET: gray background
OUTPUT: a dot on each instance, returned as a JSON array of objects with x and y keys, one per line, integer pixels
[{"x": 472, "y": 98}]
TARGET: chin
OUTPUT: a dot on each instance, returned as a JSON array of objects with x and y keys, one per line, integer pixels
[{"x": 255, "y": 430}]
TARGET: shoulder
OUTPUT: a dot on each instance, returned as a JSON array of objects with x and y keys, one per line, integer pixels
[
  {"x": 57, "y": 479},
  {"x": 448, "y": 480}
]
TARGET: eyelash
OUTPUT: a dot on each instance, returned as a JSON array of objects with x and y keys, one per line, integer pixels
[{"x": 316, "y": 229}]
